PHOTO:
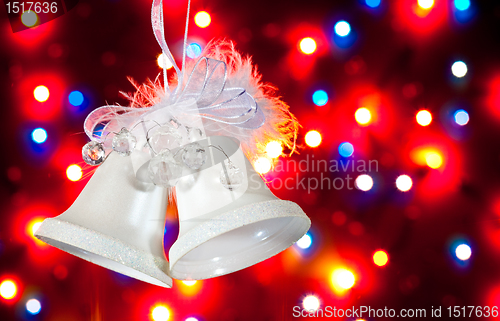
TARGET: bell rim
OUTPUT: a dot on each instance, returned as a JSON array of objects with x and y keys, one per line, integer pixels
[{"x": 83, "y": 241}]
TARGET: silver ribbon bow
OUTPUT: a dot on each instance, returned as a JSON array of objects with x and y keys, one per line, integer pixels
[{"x": 206, "y": 85}]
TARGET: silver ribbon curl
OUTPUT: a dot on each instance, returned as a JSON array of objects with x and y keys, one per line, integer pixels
[{"x": 206, "y": 85}]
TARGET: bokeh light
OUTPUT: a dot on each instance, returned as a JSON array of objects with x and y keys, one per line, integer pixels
[
  {"x": 404, "y": 183},
  {"x": 311, "y": 303},
  {"x": 39, "y": 135},
  {"x": 307, "y": 45},
  {"x": 75, "y": 98},
  {"x": 364, "y": 182},
  {"x": 41, "y": 93},
  {"x": 304, "y": 242},
  {"x": 33, "y": 306},
  {"x": 274, "y": 149},
  {"x": 433, "y": 160},
  {"x": 461, "y": 117},
  {"x": 342, "y": 28},
  {"x": 262, "y": 165},
  {"x": 189, "y": 282},
  {"x": 33, "y": 226},
  {"x": 373, "y": 3},
  {"x": 424, "y": 117},
  {"x": 191, "y": 319},
  {"x": 363, "y": 116},
  {"x": 380, "y": 258},
  {"x": 29, "y": 18},
  {"x": 202, "y": 19},
  {"x": 425, "y": 4},
  {"x": 8, "y": 289},
  {"x": 343, "y": 279},
  {"x": 459, "y": 69},
  {"x": 320, "y": 97},
  {"x": 313, "y": 138},
  {"x": 346, "y": 149},
  {"x": 193, "y": 50},
  {"x": 160, "y": 313},
  {"x": 463, "y": 252},
  {"x": 462, "y": 4},
  {"x": 74, "y": 172},
  {"x": 163, "y": 62}
]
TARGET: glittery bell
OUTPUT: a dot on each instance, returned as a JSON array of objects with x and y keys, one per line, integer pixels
[
  {"x": 194, "y": 156},
  {"x": 223, "y": 230},
  {"x": 93, "y": 153},
  {"x": 124, "y": 142},
  {"x": 116, "y": 222}
]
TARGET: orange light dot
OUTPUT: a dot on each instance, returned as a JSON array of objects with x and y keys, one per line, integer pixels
[
  {"x": 363, "y": 116},
  {"x": 189, "y": 282},
  {"x": 380, "y": 258},
  {"x": 313, "y": 138},
  {"x": 29, "y": 18},
  {"x": 160, "y": 313},
  {"x": 262, "y": 165},
  {"x": 433, "y": 160},
  {"x": 343, "y": 279},
  {"x": 424, "y": 118},
  {"x": 8, "y": 289},
  {"x": 274, "y": 149},
  {"x": 307, "y": 45},
  {"x": 41, "y": 93},
  {"x": 163, "y": 62},
  {"x": 74, "y": 172},
  {"x": 202, "y": 19},
  {"x": 425, "y": 4}
]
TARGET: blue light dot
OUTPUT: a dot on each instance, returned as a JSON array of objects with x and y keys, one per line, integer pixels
[
  {"x": 193, "y": 50},
  {"x": 342, "y": 28},
  {"x": 461, "y": 117},
  {"x": 33, "y": 306},
  {"x": 462, "y": 4},
  {"x": 39, "y": 135},
  {"x": 373, "y": 3},
  {"x": 75, "y": 98},
  {"x": 320, "y": 98},
  {"x": 346, "y": 149}
]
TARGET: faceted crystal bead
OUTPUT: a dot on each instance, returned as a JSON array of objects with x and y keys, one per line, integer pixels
[
  {"x": 194, "y": 156},
  {"x": 165, "y": 137},
  {"x": 232, "y": 177},
  {"x": 195, "y": 134},
  {"x": 93, "y": 153},
  {"x": 164, "y": 170},
  {"x": 124, "y": 142}
]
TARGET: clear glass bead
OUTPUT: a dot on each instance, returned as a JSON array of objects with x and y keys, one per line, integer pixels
[
  {"x": 165, "y": 137},
  {"x": 93, "y": 153},
  {"x": 232, "y": 177},
  {"x": 124, "y": 142},
  {"x": 195, "y": 134},
  {"x": 194, "y": 156},
  {"x": 164, "y": 170}
]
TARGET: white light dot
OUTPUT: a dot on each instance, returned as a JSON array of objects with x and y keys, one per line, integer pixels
[
  {"x": 308, "y": 45},
  {"x": 191, "y": 319},
  {"x": 461, "y": 117},
  {"x": 343, "y": 278},
  {"x": 189, "y": 282},
  {"x": 41, "y": 93},
  {"x": 39, "y": 135},
  {"x": 274, "y": 149},
  {"x": 74, "y": 172},
  {"x": 404, "y": 183},
  {"x": 363, "y": 116},
  {"x": 311, "y": 303},
  {"x": 304, "y": 242},
  {"x": 160, "y": 313},
  {"x": 364, "y": 182},
  {"x": 33, "y": 306},
  {"x": 425, "y": 4},
  {"x": 163, "y": 62},
  {"x": 463, "y": 252},
  {"x": 459, "y": 69},
  {"x": 342, "y": 28},
  {"x": 424, "y": 117}
]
